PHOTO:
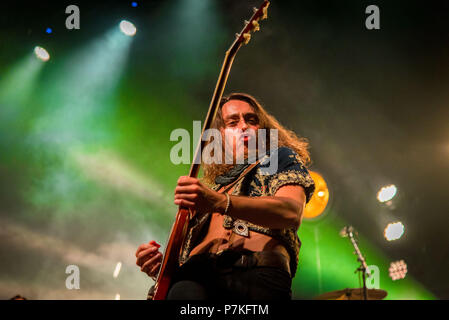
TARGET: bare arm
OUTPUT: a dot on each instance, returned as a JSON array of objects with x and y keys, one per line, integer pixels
[{"x": 283, "y": 210}]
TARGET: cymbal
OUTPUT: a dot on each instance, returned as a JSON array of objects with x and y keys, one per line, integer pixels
[{"x": 353, "y": 294}]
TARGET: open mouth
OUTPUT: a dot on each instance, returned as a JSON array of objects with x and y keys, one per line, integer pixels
[{"x": 246, "y": 137}]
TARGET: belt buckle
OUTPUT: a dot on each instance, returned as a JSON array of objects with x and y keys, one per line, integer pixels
[{"x": 241, "y": 228}]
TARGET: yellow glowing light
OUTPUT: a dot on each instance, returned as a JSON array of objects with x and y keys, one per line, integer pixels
[
  {"x": 128, "y": 28},
  {"x": 41, "y": 53},
  {"x": 394, "y": 231},
  {"x": 387, "y": 193},
  {"x": 315, "y": 207},
  {"x": 117, "y": 296}
]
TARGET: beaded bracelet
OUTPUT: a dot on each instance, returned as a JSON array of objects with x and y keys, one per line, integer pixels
[{"x": 228, "y": 203}]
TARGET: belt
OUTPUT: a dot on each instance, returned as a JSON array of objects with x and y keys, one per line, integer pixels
[{"x": 249, "y": 259}]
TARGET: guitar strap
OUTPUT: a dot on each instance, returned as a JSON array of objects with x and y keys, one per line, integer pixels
[
  {"x": 244, "y": 173},
  {"x": 229, "y": 187},
  {"x": 240, "y": 227}
]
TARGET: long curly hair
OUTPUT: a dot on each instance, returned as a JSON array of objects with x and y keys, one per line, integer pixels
[{"x": 286, "y": 137}]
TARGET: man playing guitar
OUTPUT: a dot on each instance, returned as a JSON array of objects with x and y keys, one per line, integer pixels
[{"x": 242, "y": 243}]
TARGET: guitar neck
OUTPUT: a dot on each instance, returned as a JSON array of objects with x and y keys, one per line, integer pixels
[
  {"x": 214, "y": 106},
  {"x": 241, "y": 38}
]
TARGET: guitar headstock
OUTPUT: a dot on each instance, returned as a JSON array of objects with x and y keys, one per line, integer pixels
[{"x": 253, "y": 24}]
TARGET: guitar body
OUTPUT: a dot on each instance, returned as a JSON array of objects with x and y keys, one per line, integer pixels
[{"x": 170, "y": 261}]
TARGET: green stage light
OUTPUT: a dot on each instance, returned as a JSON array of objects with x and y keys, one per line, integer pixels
[
  {"x": 16, "y": 89},
  {"x": 77, "y": 104},
  {"x": 80, "y": 94},
  {"x": 19, "y": 81}
]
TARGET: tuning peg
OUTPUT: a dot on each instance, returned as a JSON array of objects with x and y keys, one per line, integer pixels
[
  {"x": 265, "y": 11},
  {"x": 255, "y": 9},
  {"x": 256, "y": 25},
  {"x": 246, "y": 22},
  {"x": 237, "y": 35},
  {"x": 247, "y": 37}
]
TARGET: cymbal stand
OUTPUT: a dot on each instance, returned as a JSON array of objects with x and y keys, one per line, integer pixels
[{"x": 348, "y": 231}]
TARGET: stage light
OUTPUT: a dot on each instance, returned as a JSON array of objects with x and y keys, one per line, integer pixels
[
  {"x": 17, "y": 84},
  {"x": 128, "y": 28},
  {"x": 117, "y": 296},
  {"x": 117, "y": 269},
  {"x": 134, "y": 4},
  {"x": 397, "y": 270},
  {"x": 394, "y": 231},
  {"x": 41, "y": 53},
  {"x": 87, "y": 80},
  {"x": 315, "y": 207},
  {"x": 386, "y": 193},
  {"x": 49, "y": 30}
]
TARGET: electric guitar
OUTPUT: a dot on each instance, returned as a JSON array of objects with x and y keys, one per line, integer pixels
[{"x": 170, "y": 261}]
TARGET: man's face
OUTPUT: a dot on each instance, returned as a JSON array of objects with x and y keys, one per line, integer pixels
[{"x": 241, "y": 124}]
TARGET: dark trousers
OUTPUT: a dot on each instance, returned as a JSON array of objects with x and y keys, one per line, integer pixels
[{"x": 206, "y": 277}]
